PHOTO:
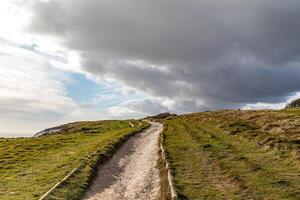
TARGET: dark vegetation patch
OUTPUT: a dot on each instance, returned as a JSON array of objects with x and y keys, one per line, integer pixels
[{"x": 294, "y": 104}]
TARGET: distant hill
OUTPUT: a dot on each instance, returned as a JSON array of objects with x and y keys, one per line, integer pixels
[
  {"x": 85, "y": 127},
  {"x": 161, "y": 116}
]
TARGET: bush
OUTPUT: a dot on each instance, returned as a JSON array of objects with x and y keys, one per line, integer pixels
[{"x": 294, "y": 104}]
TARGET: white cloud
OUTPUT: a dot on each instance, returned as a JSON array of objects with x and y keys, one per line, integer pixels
[
  {"x": 32, "y": 74},
  {"x": 261, "y": 106},
  {"x": 29, "y": 87},
  {"x": 13, "y": 18},
  {"x": 276, "y": 106},
  {"x": 138, "y": 108}
]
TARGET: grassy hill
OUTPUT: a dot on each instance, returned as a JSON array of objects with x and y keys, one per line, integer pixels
[
  {"x": 31, "y": 166},
  {"x": 212, "y": 155},
  {"x": 235, "y": 154}
]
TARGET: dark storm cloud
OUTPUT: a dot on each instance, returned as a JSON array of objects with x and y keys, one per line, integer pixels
[{"x": 218, "y": 53}]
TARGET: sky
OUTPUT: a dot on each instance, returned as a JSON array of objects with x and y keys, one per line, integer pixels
[{"x": 70, "y": 60}]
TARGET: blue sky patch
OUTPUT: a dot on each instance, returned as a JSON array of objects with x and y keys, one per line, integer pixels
[
  {"x": 100, "y": 95},
  {"x": 82, "y": 89}
]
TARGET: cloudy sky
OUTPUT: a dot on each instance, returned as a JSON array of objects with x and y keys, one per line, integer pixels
[{"x": 68, "y": 60}]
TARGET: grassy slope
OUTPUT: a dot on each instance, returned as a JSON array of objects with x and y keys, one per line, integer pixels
[
  {"x": 31, "y": 166},
  {"x": 235, "y": 154}
]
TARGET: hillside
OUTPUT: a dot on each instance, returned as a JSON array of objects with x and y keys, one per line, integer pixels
[
  {"x": 229, "y": 154},
  {"x": 29, "y": 167},
  {"x": 235, "y": 154}
]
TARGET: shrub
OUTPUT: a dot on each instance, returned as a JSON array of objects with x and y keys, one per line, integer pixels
[{"x": 294, "y": 104}]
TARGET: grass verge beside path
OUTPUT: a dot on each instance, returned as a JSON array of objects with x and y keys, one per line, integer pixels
[
  {"x": 29, "y": 167},
  {"x": 165, "y": 191},
  {"x": 235, "y": 154}
]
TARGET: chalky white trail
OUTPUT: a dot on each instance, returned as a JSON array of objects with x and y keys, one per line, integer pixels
[{"x": 131, "y": 173}]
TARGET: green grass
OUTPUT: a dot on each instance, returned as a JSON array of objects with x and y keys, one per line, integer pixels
[
  {"x": 31, "y": 166},
  {"x": 165, "y": 193},
  {"x": 235, "y": 154}
]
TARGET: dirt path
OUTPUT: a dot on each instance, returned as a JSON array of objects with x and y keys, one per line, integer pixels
[{"x": 131, "y": 173}]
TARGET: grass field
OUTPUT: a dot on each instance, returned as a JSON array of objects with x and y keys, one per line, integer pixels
[
  {"x": 31, "y": 166},
  {"x": 235, "y": 154}
]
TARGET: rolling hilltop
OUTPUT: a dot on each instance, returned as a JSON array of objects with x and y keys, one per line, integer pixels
[{"x": 230, "y": 154}]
